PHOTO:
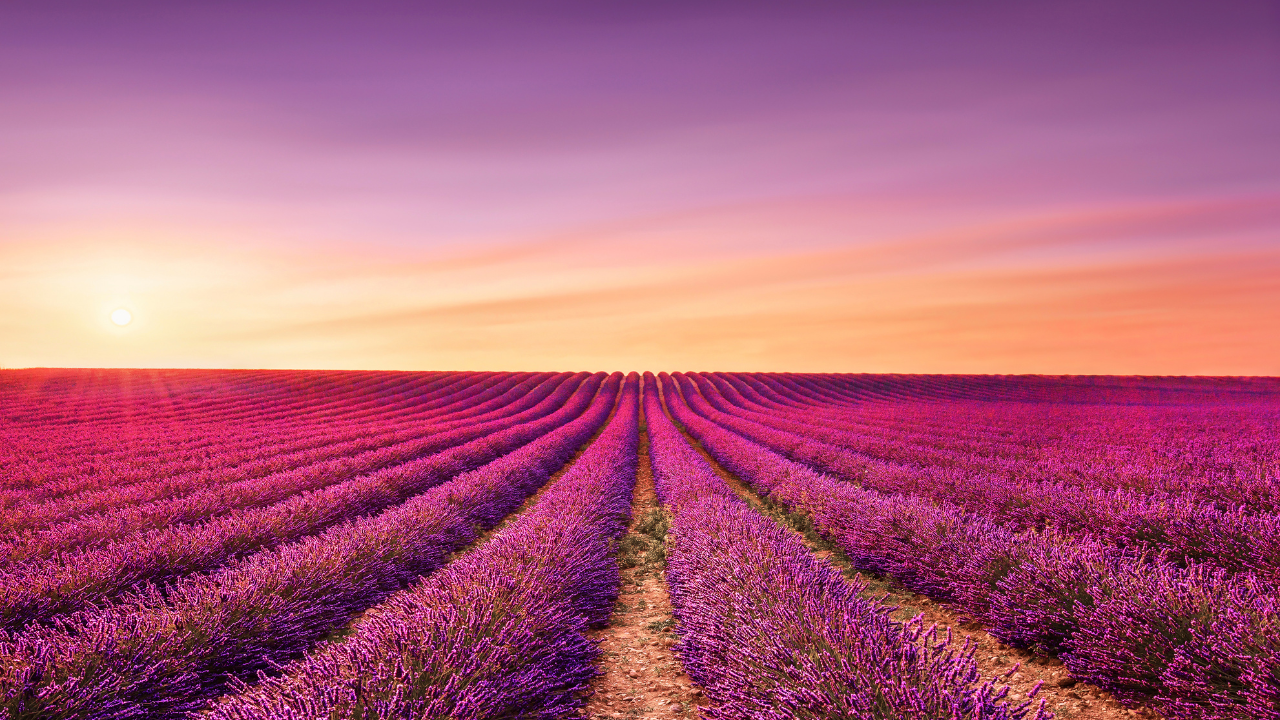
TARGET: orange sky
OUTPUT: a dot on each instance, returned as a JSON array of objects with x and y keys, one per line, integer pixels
[{"x": 1061, "y": 293}]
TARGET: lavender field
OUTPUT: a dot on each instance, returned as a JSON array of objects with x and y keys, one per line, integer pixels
[{"x": 306, "y": 544}]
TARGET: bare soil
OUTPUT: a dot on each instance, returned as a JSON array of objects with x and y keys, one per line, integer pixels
[
  {"x": 1021, "y": 670},
  {"x": 641, "y": 678}
]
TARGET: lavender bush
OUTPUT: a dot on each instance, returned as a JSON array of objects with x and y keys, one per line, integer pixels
[
  {"x": 770, "y": 632},
  {"x": 499, "y": 633},
  {"x": 160, "y": 654},
  {"x": 1126, "y": 622}
]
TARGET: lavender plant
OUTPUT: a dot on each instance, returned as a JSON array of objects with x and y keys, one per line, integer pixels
[
  {"x": 160, "y": 654},
  {"x": 498, "y": 633},
  {"x": 769, "y": 632}
]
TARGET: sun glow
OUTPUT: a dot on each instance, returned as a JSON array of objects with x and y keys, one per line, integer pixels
[{"x": 121, "y": 317}]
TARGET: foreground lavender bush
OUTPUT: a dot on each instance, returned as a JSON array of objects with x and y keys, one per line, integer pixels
[
  {"x": 1149, "y": 630},
  {"x": 770, "y": 632},
  {"x": 38, "y": 591},
  {"x": 499, "y": 633},
  {"x": 1232, "y": 661},
  {"x": 158, "y": 655}
]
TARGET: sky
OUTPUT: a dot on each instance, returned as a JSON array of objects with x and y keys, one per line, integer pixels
[{"x": 905, "y": 186}]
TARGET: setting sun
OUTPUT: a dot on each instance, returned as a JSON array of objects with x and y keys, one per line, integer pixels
[{"x": 121, "y": 317}]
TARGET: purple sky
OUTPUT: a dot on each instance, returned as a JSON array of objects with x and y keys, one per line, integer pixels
[{"x": 381, "y": 134}]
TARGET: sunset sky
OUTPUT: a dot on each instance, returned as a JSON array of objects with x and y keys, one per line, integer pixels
[{"x": 990, "y": 187}]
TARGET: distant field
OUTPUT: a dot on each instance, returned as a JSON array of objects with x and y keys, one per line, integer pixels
[{"x": 305, "y": 544}]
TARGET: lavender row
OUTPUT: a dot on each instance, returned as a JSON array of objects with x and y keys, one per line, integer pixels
[
  {"x": 919, "y": 433},
  {"x": 866, "y": 422},
  {"x": 159, "y": 655},
  {"x": 357, "y": 435},
  {"x": 1185, "y": 530},
  {"x": 40, "y": 590},
  {"x": 770, "y": 632},
  {"x": 187, "y": 416},
  {"x": 1180, "y": 443},
  {"x": 1161, "y": 444},
  {"x": 199, "y": 450},
  {"x": 1219, "y": 455},
  {"x": 251, "y": 398},
  {"x": 279, "y": 446},
  {"x": 152, "y": 450},
  {"x": 501, "y": 632},
  {"x": 1088, "y": 389},
  {"x": 48, "y": 396},
  {"x": 103, "y": 492},
  {"x": 1194, "y": 642},
  {"x": 206, "y": 501},
  {"x": 865, "y": 427}
]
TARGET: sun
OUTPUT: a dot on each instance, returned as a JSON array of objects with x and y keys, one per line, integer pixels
[{"x": 121, "y": 317}]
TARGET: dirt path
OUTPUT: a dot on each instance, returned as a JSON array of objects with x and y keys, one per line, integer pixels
[
  {"x": 642, "y": 678},
  {"x": 1020, "y": 669}
]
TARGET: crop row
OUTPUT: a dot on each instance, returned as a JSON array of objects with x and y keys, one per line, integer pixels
[
  {"x": 49, "y": 397},
  {"x": 1114, "y": 389},
  {"x": 39, "y": 590},
  {"x": 85, "y": 455},
  {"x": 1184, "y": 529},
  {"x": 159, "y": 654},
  {"x": 218, "y": 446},
  {"x": 284, "y": 453},
  {"x": 143, "y": 480},
  {"x": 770, "y": 632},
  {"x": 1193, "y": 641},
  {"x": 1188, "y": 436},
  {"x": 185, "y": 420},
  {"x": 501, "y": 632},
  {"x": 190, "y": 501},
  {"x": 1210, "y": 453}
]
